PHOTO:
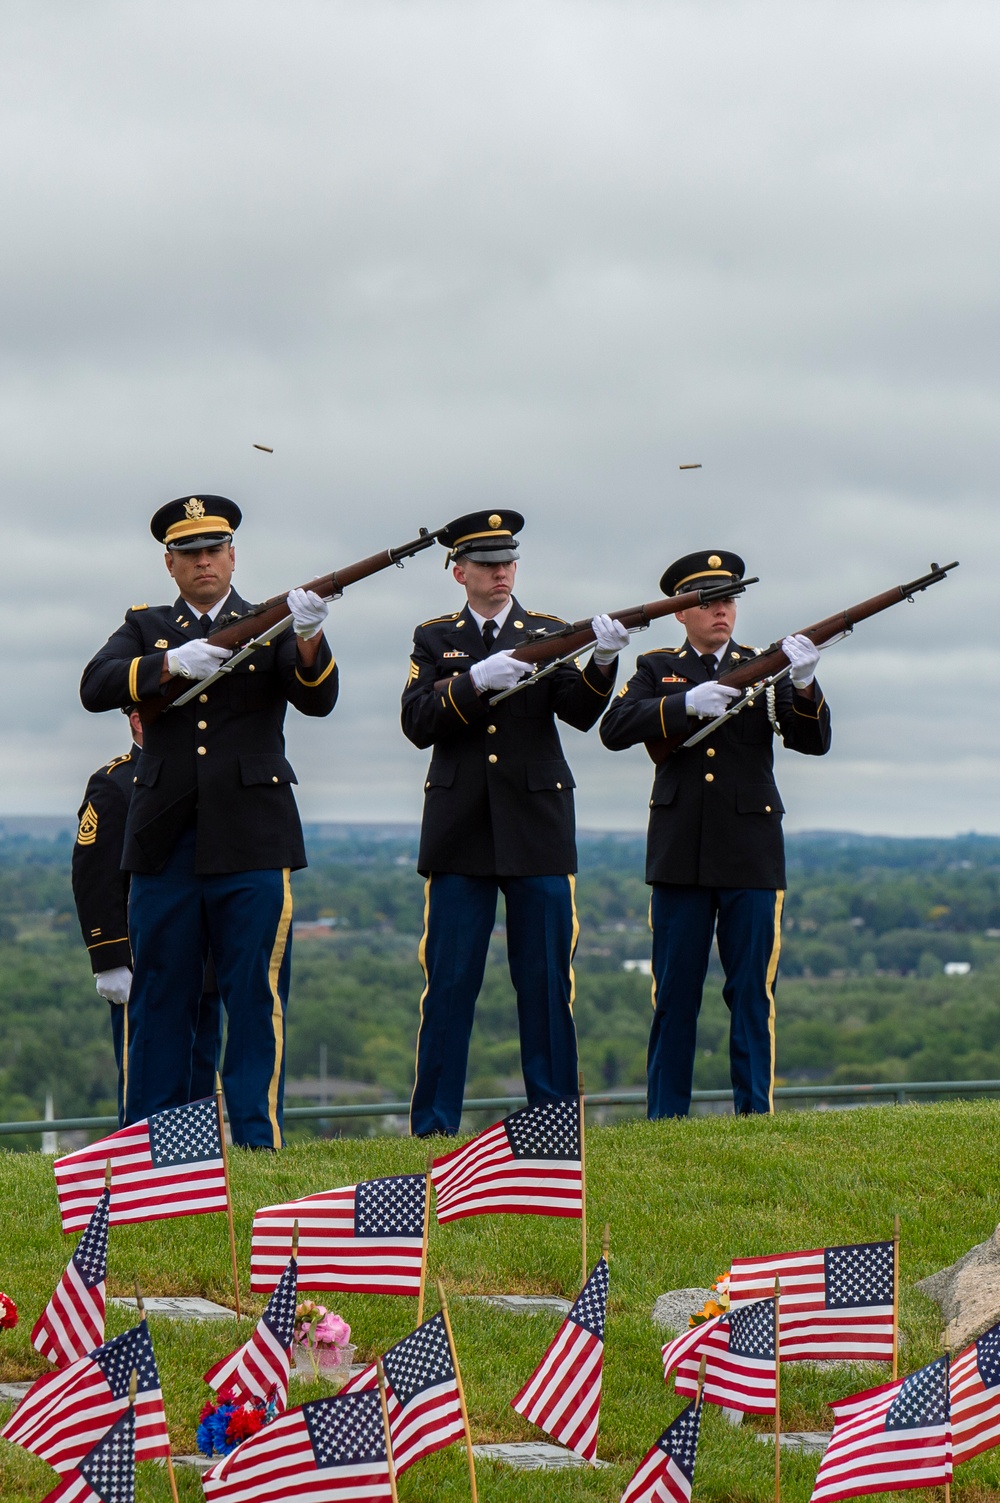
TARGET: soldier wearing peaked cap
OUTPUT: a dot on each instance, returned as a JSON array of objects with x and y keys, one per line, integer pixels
[
  {"x": 100, "y": 891},
  {"x": 714, "y": 852},
  {"x": 212, "y": 832},
  {"x": 498, "y": 817}
]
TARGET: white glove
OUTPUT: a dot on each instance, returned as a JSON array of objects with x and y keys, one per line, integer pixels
[
  {"x": 709, "y": 699},
  {"x": 501, "y": 670},
  {"x": 114, "y": 986},
  {"x": 196, "y": 659},
  {"x": 609, "y": 638},
  {"x": 803, "y": 656},
  {"x": 308, "y": 612}
]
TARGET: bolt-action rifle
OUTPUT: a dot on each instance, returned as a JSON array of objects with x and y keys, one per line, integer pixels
[
  {"x": 771, "y": 665},
  {"x": 550, "y": 649},
  {"x": 264, "y": 622}
]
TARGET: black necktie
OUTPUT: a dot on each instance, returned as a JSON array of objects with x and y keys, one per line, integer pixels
[
  {"x": 206, "y": 623},
  {"x": 489, "y": 634},
  {"x": 711, "y": 663}
]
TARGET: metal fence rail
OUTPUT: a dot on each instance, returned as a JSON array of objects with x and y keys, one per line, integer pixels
[{"x": 900, "y": 1092}]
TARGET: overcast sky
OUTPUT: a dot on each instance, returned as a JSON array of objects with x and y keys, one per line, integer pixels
[{"x": 450, "y": 255}]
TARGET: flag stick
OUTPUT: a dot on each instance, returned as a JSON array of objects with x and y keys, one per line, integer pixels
[
  {"x": 427, "y": 1232},
  {"x": 107, "y": 1175},
  {"x": 701, "y": 1383},
  {"x": 777, "y": 1392},
  {"x": 461, "y": 1391},
  {"x": 385, "y": 1426},
  {"x": 133, "y": 1387},
  {"x": 895, "y": 1297},
  {"x": 606, "y": 1241},
  {"x": 140, "y": 1304},
  {"x": 583, "y": 1187},
  {"x": 947, "y": 1355},
  {"x": 173, "y": 1478},
  {"x": 229, "y": 1193}
]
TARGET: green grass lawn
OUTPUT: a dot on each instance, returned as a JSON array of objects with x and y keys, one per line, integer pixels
[{"x": 682, "y": 1198}]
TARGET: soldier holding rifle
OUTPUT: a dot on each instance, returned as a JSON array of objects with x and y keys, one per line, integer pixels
[
  {"x": 715, "y": 854},
  {"x": 498, "y": 816},
  {"x": 212, "y": 831}
]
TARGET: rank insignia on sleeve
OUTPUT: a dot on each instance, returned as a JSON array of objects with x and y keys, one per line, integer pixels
[
  {"x": 622, "y": 692},
  {"x": 454, "y": 654},
  {"x": 87, "y": 832},
  {"x": 413, "y": 674},
  {"x": 161, "y": 642}
]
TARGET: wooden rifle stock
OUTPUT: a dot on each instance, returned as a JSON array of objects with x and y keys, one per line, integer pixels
[
  {"x": 542, "y": 646},
  {"x": 330, "y": 586},
  {"x": 772, "y": 659}
]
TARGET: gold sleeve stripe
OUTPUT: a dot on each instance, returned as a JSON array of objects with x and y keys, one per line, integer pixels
[
  {"x": 805, "y": 713},
  {"x": 313, "y": 683},
  {"x": 455, "y": 706},
  {"x": 133, "y": 678},
  {"x": 87, "y": 833},
  {"x": 662, "y": 726},
  {"x": 101, "y": 942}
]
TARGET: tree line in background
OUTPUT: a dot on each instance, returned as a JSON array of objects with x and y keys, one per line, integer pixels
[{"x": 863, "y": 995}]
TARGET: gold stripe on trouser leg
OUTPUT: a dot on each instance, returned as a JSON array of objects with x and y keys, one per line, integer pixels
[
  {"x": 277, "y": 1015},
  {"x": 422, "y": 957},
  {"x": 772, "y": 971},
  {"x": 125, "y": 1054},
  {"x": 574, "y": 941},
  {"x": 652, "y": 978}
]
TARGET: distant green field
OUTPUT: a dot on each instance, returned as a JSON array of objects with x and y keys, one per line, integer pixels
[{"x": 682, "y": 1197}]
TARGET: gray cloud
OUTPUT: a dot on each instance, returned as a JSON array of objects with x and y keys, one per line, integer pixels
[{"x": 440, "y": 254}]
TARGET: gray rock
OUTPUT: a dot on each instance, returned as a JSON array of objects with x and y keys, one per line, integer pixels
[
  {"x": 674, "y": 1309},
  {"x": 533, "y": 1456},
  {"x": 13, "y": 1392},
  {"x": 967, "y": 1292},
  {"x": 815, "y": 1441},
  {"x": 179, "y": 1307},
  {"x": 524, "y": 1304},
  {"x": 198, "y": 1463}
]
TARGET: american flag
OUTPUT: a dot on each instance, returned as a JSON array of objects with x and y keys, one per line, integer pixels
[
  {"x": 836, "y": 1302},
  {"x": 64, "y": 1413},
  {"x": 72, "y": 1323},
  {"x": 364, "y": 1239},
  {"x": 890, "y": 1438},
  {"x": 421, "y": 1391},
  {"x": 563, "y": 1394},
  {"x": 527, "y": 1165},
  {"x": 326, "y": 1452},
  {"x": 107, "y": 1472},
  {"x": 261, "y": 1365},
  {"x": 169, "y": 1164},
  {"x": 739, "y": 1349},
  {"x": 667, "y": 1469},
  {"x": 975, "y": 1396}
]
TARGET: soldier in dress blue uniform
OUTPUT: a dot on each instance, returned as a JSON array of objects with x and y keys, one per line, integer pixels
[
  {"x": 100, "y": 891},
  {"x": 714, "y": 853},
  {"x": 212, "y": 832},
  {"x": 498, "y": 817}
]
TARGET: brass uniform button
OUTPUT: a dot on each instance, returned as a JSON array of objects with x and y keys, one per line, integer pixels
[
  {"x": 710, "y": 752},
  {"x": 518, "y": 625},
  {"x": 135, "y": 780},
  {"x": 558, "y": 785},
  {"x": 201, "y": 751},
  {"x": 767, "y": 808},
  {"x": 492, "y": 757},
  {"x": 203, "y": 699},
  {"x": 203, "y": 725},
  {"x": 709, "y": 777},
  {"x": 491, "y": 730},
  {"x": 274, "y": 780},
  {"x": 253, "y": 668}
]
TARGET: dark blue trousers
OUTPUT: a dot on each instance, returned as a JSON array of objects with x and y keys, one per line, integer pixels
[
  {"x": 204, "y": 1056},
  {"x": 245, "y": 917},
  {"x": 459, "y": 916},
  {"x": 748, "y": 923}
]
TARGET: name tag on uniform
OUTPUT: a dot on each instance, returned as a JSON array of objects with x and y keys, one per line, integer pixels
[{"x": 454, "y": 654}]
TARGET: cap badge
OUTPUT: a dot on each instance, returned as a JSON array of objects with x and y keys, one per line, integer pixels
[
  {"x": 715, "y": 562},
  {"x": 495, "y": 521},
  {"x": 194, "y": 508}
]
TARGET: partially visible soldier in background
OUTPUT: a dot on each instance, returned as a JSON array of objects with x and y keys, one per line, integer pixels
[{"x": 100, "y": 891}]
